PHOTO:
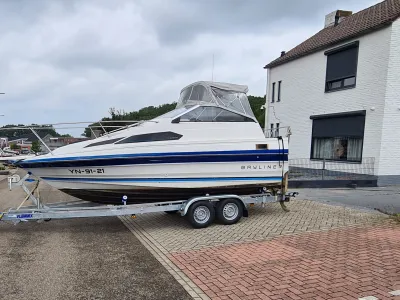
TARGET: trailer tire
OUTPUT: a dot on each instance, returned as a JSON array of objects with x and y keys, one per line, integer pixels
[
  {"x": 229, "y": 211},
  {"x": 201, "y": 214}
]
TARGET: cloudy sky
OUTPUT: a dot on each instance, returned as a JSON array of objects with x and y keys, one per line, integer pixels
[{"x": 71, "y": 60}]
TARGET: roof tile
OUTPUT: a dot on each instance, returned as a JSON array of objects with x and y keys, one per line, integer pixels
[{"x": 360, "y": 23}]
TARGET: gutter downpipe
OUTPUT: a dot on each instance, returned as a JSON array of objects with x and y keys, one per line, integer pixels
[{"x": 266, "y": 107}]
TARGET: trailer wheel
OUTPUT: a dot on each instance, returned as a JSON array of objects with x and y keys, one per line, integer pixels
[
  {"x": 201, "y": 214},
  {"x": 229, "y": 211}
]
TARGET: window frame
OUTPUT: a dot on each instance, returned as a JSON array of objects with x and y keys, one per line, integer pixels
[
  {"x": 178, "y": 137},
  {"x": 178, "y": 118},
  {"x": 333, "y": 115},
  {"x": 337, "y": 160},
  {"x": 273, "y": 92},
  {"x": 105, "y": 142},
  {"x": 327, "y": 53}
]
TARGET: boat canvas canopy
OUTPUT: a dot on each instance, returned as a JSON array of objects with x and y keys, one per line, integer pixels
[{"x": 225, "y": 95}]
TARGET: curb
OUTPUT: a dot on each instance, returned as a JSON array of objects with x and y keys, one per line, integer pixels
[{"x": 160, "y": 254}]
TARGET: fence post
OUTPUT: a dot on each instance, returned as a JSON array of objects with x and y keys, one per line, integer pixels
[{"x": 323, "y": 168}]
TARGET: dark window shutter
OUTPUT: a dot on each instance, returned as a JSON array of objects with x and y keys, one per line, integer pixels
[
  {"x": 346, "y": 126},
  {"x": 342, "y": 64}
]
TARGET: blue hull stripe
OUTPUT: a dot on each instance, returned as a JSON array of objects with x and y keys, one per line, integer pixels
[
  {"x": 274, "y": 151},
  {"x": 158, "y": 158},
  {"x": 162, "y": 179}
]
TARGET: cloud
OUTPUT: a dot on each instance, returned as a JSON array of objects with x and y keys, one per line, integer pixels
[{"x": 72, "y": 60}]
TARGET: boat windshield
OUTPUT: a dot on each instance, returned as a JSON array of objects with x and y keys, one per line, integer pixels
[
  {"x": 224, "y": 95},
  {"x": 176, "y": 112}
]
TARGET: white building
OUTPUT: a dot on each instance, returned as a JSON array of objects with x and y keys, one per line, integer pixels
[{"x": 339, "y": 91}]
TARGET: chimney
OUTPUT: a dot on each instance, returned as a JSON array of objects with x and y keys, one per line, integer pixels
[
  {"x": 283, "y": 53},
  {"x": 335, "y": 17}
]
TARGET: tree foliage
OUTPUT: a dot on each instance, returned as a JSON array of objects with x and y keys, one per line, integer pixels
[
  {"x": 15, "y": 133},
  {"x": 146, "y": 113},
  {"x": 14, "y": 147},
  {"x": 256, "y": 103},
  {"x": 151, "y": 112},
  {"x": 36, "y": 146}
]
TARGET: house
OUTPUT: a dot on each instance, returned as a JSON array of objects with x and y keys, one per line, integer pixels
[
  {"x": 25, "y": 141},
  {"x": 339, "y": 92},
  {"x": 57, "y": 142}
]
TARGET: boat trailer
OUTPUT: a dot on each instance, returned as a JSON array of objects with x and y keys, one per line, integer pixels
[{"x": 200, "y": 211}]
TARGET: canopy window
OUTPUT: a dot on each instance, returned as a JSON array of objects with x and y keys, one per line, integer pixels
[{"x": 231, "y": 97}]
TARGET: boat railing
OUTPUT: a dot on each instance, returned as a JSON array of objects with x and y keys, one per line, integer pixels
[
  {"x": 283, "y": 131},
  {"x": 104, "y": 127}
]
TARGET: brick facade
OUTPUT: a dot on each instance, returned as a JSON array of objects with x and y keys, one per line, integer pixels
[{"x": 377, "y": 92}]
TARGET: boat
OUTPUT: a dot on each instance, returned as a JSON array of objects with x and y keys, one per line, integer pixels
[
  {"x": 11, "y": 157},
  {"x": 210, "y": 144}
]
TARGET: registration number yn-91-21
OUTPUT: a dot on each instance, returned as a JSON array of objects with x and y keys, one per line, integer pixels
[{"x": 86, "y": 171}]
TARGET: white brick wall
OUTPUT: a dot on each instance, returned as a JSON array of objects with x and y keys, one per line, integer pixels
[
  {"x": 303, "y": 94},
  {"x": 389, "y": 161}
]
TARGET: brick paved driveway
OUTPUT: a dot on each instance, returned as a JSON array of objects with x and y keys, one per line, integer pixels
[{"x": 317, "y": 251}]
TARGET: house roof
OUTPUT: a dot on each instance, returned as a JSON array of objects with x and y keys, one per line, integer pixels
[{"x": 365, "y": 21}]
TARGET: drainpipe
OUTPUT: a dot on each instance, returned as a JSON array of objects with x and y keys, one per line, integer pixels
[{"x": 266, "y": 107}]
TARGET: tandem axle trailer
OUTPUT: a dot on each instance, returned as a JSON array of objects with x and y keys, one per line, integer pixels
[{"x": 201, "y": 211}]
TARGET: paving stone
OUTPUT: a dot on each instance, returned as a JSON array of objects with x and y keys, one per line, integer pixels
[{"x": 174, "y": 234}]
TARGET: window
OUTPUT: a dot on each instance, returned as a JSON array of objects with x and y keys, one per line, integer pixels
[
  {"x": 175, "y": 112},
  {"x": 338, "y": 136},
  {"x": 105, "y": 142},
  {"x": 212, "y": 114},
  {"x": 273, "y": 93},
  {"x": 277, "y": 129},
  {"x": 279, "y": 90},
  {"x": 193, "y": 93},
  {"x": 338, "y": 148},
  {"x": 151, "y": 137},
  {"x": 271, "y": 131},
  {"x": 341, "y": 67}
]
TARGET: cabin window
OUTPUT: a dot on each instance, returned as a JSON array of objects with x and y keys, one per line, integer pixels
[
  {"x": 105, "y": 142},
  {"x": 338, "y": 137},
  {"x": 151, "y": 137},
  {"x": 213, "y": 114},
  {"x": 341, "y": 67}
]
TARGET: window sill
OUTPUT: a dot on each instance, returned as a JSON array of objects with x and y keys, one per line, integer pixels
[
  {"x": 338, "y": 161},
  {"x": 340, "y": 89}
]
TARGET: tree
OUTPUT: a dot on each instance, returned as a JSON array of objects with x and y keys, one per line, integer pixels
[
  {"x": 13, "y": 132},
  {"x": 146, "y": 113},
  {"x": 151, "y": 112},
  {"x": 36, "y": 147},
  {"x": 14, "y": 147},
  {"x": 256, "y": 103}
]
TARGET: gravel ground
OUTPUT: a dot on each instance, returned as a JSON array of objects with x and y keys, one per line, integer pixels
[{"x": 95, "y": 258}]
